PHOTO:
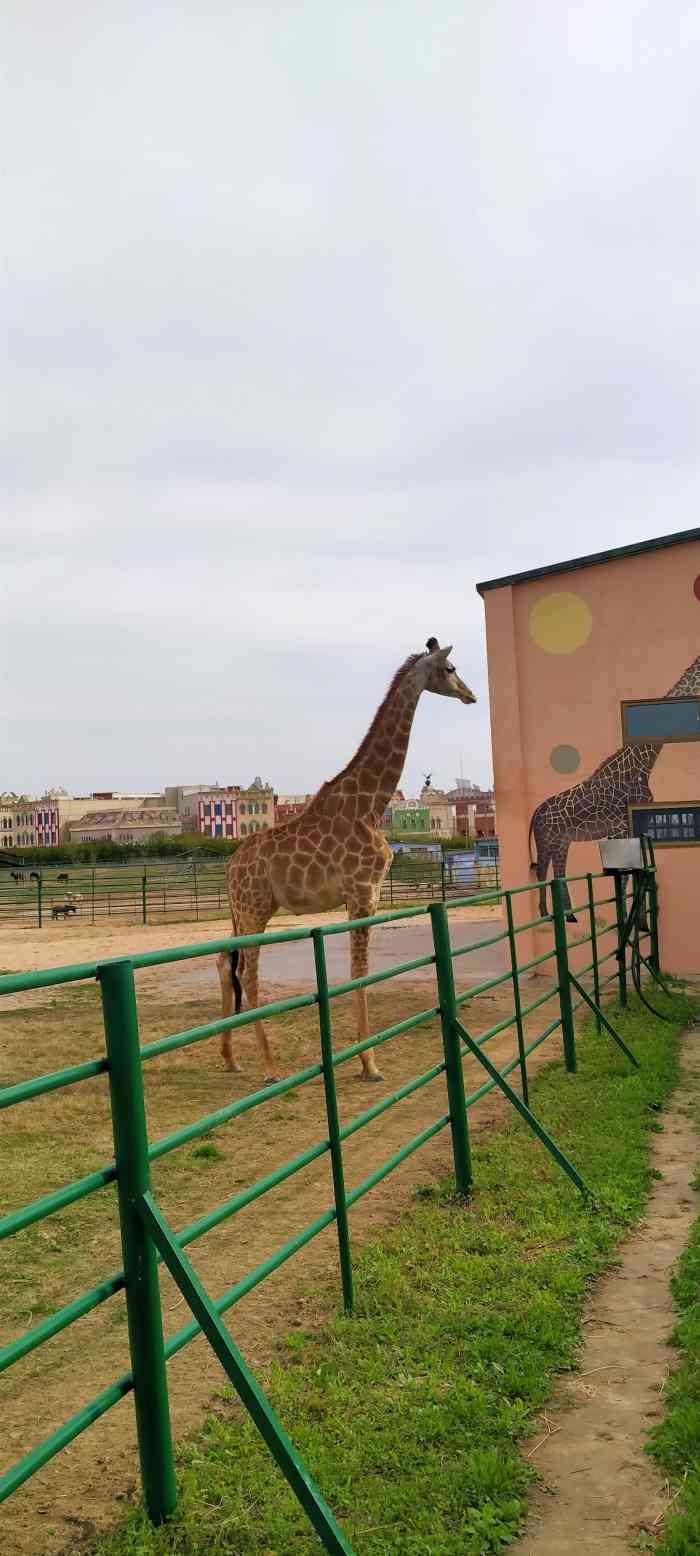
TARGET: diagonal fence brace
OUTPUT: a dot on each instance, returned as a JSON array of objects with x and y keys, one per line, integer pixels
[
  {"x": 603, "y": 1018},
  {"x": 244, "y": 1382},
  {"x": 655, "y": 975},
  {"x": 524, "y": 1111}
]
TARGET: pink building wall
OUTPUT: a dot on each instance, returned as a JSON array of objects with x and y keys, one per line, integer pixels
[{"x": 564, "y": 650}]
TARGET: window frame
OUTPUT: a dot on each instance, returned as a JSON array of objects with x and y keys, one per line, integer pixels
[
  {"x": 655, "y": 740},
  {"x": 668, "y": 805}
]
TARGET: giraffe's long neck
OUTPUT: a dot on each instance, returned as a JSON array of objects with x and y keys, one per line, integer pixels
[
  {"x": 378, "y": 763},
  {"x": 643, "y": 757},
  {"x": 689, "y": 683}
]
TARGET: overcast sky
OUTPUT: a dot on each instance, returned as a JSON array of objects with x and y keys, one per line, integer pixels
[{"x": 317, "y": 314}]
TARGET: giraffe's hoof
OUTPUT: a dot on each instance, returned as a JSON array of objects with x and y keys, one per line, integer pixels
[
  {"x": 271, "y": 1080},
  {"x": 371, "y": 1075},
  {"x": 233, "y": 1068}
]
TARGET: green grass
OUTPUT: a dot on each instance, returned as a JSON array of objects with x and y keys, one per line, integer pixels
[
  {"x": 410, "y": 1414},
  {"x": 675, "y": 1442}
]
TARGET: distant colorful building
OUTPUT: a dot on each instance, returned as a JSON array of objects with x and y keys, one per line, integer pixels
[{"x": 289, "y": 805}]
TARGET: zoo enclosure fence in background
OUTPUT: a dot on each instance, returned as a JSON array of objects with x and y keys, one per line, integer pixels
[
  {"x": 146, "y": 1236},
  {"x": 158, "y": 891}
]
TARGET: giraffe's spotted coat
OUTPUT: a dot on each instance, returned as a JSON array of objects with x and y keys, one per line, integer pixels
[{"x": 334, "y": 852}]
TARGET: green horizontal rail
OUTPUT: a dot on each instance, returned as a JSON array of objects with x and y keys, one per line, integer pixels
[
  {"x": 249, "y": 1282},
  {"x": 482, "y": 988},
  {"x": 64, "y": 1436},
  {"x": 479, "y": 945},
  {"x": 395, "y": 1161},
  {"x": 376, "y": 1041},
  {"x": 368, "y": 979},
  {"x": 60, "y": 1320},
  {"x": 26, "y": 1090},
  {"x": 60, "y": 1199},
  {"x": 202, "y": 1126},
  {"x": 247, "y": 1196},
  {"x": 166, "y": 1045},
  {"x": 389, "y": 1102},
  {"x": 537, "y": 961},
  {"x": 488, "y": 1086}
]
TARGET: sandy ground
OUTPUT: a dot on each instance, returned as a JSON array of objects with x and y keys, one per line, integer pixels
[
  {"x": 65, "y": 942},
  {"x": 600, "y": 1490}
]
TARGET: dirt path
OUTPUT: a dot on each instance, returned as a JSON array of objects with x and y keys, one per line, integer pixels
[{"x": 606, "y": 1490}]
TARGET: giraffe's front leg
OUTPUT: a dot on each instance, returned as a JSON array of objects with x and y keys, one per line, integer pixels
[
  {"x": 359, "y": 967},
  {"x": 249, "y": 981},
  {"x": 560, "y": 858}
]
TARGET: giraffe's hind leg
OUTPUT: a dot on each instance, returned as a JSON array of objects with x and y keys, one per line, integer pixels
[
  {"x": 225, "y": 970},
  {"x": 544, "y": 856},
  {"x": 251, "y": 993},
  {"x": 359, "y": 967}
]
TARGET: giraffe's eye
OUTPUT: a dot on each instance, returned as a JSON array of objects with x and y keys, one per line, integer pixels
[{"x": 450, "y": 669}]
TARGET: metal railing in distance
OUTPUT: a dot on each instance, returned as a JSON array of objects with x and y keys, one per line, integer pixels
[
  {"x": 159, "y": 891},
  {"x": 146, "y": 1237}
]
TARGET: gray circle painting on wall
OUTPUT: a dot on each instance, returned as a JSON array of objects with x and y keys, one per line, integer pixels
[{"x": 565, "y": 759}]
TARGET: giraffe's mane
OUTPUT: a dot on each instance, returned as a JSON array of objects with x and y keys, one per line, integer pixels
[{"x": 403, "y": 669}]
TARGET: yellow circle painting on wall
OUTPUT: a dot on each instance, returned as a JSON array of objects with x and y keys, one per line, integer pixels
[{"x": 560, "y": 623}]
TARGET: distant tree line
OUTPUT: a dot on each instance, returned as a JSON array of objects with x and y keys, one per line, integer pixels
[{"x": 121, "y": 853}]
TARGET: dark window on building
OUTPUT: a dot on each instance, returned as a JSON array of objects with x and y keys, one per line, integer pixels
[
  {"x": 676, "y": 718},
  {"x": 678, "y": 823}
]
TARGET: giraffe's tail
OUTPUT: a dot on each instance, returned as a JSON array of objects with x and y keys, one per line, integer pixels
[{"x": 533, "y": 862}]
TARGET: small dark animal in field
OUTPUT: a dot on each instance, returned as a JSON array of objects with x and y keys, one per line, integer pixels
[
  {"x": 33, "y": 876},
  {"x": 67, "y": 908},
  {"x": 61, "y": 877},
  {"x": 18, "y": 875}
]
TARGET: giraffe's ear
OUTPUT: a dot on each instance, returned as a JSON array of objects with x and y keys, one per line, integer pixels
[{"x": 445, "y": 652}]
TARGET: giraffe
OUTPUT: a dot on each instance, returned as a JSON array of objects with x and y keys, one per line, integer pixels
[
  {"x": 333, "y": 852},
  {"x": 598, "y": 806}
]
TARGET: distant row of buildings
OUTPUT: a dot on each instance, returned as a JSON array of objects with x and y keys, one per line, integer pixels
[
  {"x": 466, "y": 811},
  {"x": 217, "y": 810}
]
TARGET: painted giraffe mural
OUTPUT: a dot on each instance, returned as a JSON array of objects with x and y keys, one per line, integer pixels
[
  {"x": 598, "y": 806},
  {"x": 333, "y": 852}
]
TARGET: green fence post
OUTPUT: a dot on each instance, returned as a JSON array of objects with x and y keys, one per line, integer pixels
[
  {"x": 325, "y": 1028},
  {"x": 144, "y": 906},
  {"x": 594, "y": 948},
  {"x": 38, "y": 899},
  {"x": 516, "y": 996},
  {"x": 559, "y": 912},
  {"x": 452, "y": 1047},
  {"x": 621, "y": 951},
  {"x": 442, "y": 876},
  {"x": 140, "y": 1262}
]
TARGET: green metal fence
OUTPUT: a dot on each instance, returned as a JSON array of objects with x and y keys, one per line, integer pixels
[
  {"x": 159, "y": 891},
  {"x": 147, "y": 1238}
]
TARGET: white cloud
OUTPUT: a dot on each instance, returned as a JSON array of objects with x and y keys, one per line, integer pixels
[{"x": 316, "y": 316}]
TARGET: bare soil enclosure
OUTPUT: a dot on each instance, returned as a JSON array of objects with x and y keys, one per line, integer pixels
[{"x": 59, "y": 1137}]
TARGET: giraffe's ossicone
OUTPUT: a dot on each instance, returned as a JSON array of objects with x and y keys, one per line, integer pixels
[{"x": 334, "y": 853}]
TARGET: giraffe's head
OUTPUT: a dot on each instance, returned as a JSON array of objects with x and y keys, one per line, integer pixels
[{"x": 440, "y": 675}]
